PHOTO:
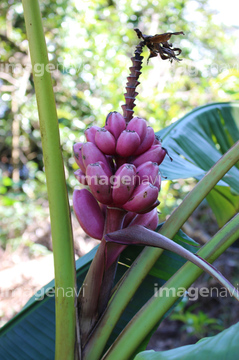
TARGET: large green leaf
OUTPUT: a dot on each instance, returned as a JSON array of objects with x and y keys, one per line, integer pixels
[
  {"x": 219, "y": 347},
  {"x": 33, "y": 329},
  {"x": 196, "y": 142},
  {"x": 224, "y": 203}
]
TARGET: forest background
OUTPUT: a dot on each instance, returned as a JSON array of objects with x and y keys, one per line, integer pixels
[{"x": 90, "y": 44}]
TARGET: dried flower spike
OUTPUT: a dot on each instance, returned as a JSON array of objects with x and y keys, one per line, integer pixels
[{"x": 159, "y": 45}]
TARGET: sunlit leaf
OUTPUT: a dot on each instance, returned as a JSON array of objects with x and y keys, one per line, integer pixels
[
  {"x": 196, "y": 142},
  {"x": 224, "y": 203}
]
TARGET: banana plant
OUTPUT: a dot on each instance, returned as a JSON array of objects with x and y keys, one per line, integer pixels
[{"x": 118, "y": 167}]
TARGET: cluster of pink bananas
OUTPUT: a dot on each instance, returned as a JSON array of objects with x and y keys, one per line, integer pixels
[{"x": 120, "y": 164}]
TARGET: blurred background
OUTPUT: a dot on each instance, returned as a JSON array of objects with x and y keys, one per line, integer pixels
[{"x": 90, "y": 44}]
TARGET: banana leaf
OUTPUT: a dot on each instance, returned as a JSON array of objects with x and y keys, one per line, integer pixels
[
  {"x": 31, "y": 334},
  {"x": 220, "y": 347},
  {"x": 196, "y": 142}
]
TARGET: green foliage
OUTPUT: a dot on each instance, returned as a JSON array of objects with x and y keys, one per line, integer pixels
[
  {"x": 196, "y": 142},
  {"x": 17, "y": 211},
  {"x": 197, "y": 324},
  {"x": 90, "y": 63},
  {"x": 224, "y": 203},
  {"x": 36, "y": 310},
  {"x": 215, "y": 347}
]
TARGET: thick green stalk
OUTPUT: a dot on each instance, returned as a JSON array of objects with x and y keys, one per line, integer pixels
[
  {"x": 57, "y": 194},
  {"x": 142, "y": 265},
  {"x": 152, "y": 312}
]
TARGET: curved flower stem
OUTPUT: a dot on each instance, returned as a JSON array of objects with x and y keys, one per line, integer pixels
[
  {"x": 152, "y": 312},
  {"x": 142, "y": 265},
  {"x": 63, "y": 250},
  {"x": 98, "y": 282},
  {"x": 114, "y": 221}
]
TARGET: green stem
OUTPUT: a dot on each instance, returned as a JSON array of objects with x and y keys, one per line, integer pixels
[
  {"x": 152, "y": 312},
  {"x": 58, "y": 199},
  {"x": 144, "y": 262}
]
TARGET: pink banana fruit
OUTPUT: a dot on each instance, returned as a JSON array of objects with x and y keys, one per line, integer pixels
[
  {"x": 105, "y": 141},
  {"x": 147, "y": 142},
  {"x": 124, "y": 184},
  {"x": 90, "y": 133},
  {"x": 127, "y": 143},
  {"x": 80, "y": 176},
  {"x": 149, "y": 220},
  {"x": 148, "y": 171},
  {"x": 99, "y": 183},
  {"x": 155, "y": 154},
  {"x": 139, "y": 125},
  {"x": 88, "y": 213},
  {"x": 77, "y": 149},
  {"x": 142, "y": 198},
  {"x": 149, "y": 208},
  {"x": 115, "y": 123},
  {"x": 106, "y": 168},
  {"x": 91, "y": 154}
]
